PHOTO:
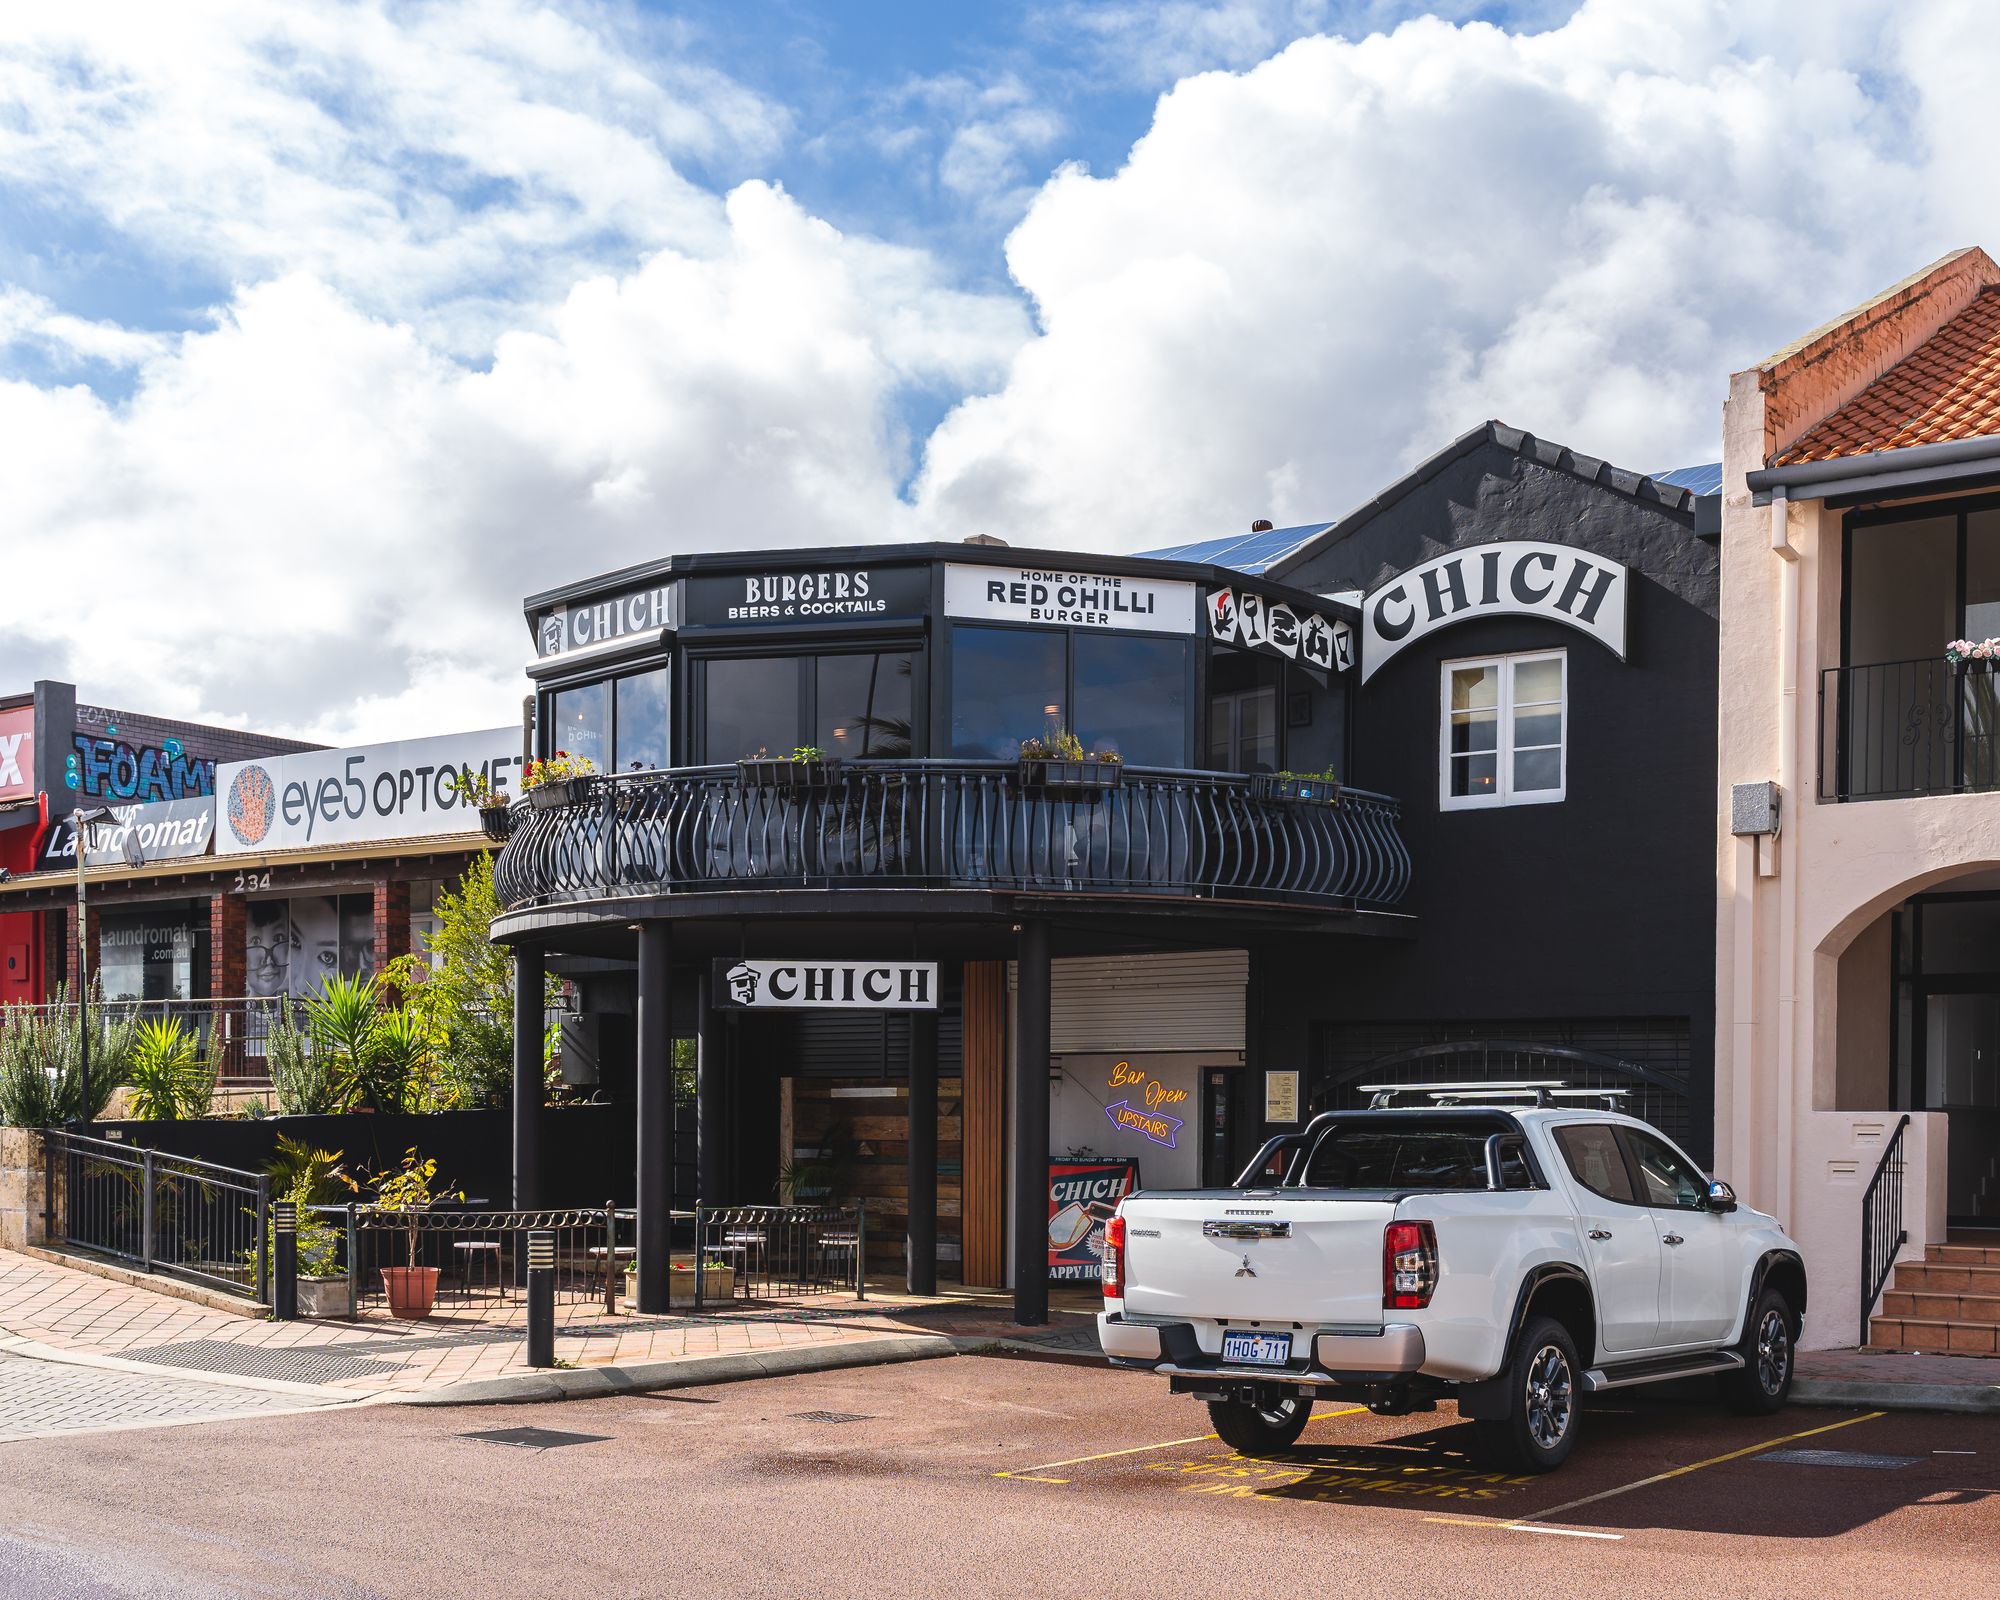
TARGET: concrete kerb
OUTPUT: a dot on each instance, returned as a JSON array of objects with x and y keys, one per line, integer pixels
[
  {"x": 595, "y": 1383},
  {"x": 1966, "y": 1397}
]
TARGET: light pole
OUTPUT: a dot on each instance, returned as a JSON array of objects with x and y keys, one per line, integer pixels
[{"x": 81, "y": 823}]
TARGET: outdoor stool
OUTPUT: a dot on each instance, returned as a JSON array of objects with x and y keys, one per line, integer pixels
[
  {"x": 834, "y": 1247},
  {"x": 486, "y": 1254},
  {"x": 747, "y": 1244},
  {"x": 594, "y": 1264}
]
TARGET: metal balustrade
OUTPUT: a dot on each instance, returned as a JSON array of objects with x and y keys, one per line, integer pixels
[
  {"x": 954, "y": 825},
  {"x": 1896, "y": 729}
]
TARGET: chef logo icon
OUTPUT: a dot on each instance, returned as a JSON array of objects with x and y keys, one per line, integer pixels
[{"x": 742, "y": 980}]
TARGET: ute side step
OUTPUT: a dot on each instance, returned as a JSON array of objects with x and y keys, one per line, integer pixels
[{"x": 1626, "y": 1373}]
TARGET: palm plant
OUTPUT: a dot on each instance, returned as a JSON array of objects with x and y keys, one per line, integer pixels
[
  {"x": 167, "y": 1081},
  {"x": 344, "y": 1019}
]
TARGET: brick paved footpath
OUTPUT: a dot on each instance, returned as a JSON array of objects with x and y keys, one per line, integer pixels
[{"x": 65, "y": 1312}]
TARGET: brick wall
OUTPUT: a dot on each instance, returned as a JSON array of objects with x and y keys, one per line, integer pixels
[
  {"x": 226, "y": 956},
  {"x": 73, "y": 946},
  {"x": 392, "y": 921}
]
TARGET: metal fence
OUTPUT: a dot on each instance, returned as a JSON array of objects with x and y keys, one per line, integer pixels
[
  {"x": 1900, "y": 728},
  {"x": 230, "y": 1033},
  {"x": 159, "y": 1212},
  {"x": 1882, "y": 1231},
  {"x": 955, "y": 825},
  {"x": 777, "y": 1252}
]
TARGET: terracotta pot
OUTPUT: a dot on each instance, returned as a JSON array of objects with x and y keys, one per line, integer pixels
[{"x": 412, "y": 1291}]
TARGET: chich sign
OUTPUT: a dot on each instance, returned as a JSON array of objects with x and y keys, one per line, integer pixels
[
  {"x": 593, "y": 625},
  {"x": 379, "y": 791},
  {"x": 1244, "y": 617},
  {"x": 747, "y": 985},
  {"x": 1515, "y": 578}
]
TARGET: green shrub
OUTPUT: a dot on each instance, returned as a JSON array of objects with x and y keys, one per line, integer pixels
[
  {"x": 39, "y": 1068},
  {"x": 168, "y": 1083},
  {"x": 305, "y": 1082}
]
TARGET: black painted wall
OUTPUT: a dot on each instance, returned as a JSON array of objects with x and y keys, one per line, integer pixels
[{"x": 1600, "y": 906}]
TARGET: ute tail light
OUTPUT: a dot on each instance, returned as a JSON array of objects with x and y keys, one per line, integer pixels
[
  {"x": 1114, "y": 1258},
  {"x": 1409, "y": 1266}
]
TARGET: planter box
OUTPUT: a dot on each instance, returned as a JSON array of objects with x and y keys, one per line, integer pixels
[
  {"x": 323, "y": 1298},
  {"x": 780, "y": 773},
  {"x": 1294, "y": 791},
  {"x": 718, "y": 1286},
  {"x": 496, "y": 822},
  {"x": 563, "y": 792},
  {"x": 1044, "y": 775}
]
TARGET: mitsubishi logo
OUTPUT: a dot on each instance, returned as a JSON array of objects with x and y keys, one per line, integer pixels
[{"x": 1246, "y": 1270}]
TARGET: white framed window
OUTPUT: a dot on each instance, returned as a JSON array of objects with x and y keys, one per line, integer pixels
[{"x": 1504, "y": 731}]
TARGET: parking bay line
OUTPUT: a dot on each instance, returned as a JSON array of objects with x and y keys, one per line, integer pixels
[
  {"x": 1535, "y": 1523},
  {"x": 1030, "y": 1474}
]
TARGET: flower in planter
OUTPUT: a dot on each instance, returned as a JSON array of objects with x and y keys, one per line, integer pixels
[
  {"x": 1960, "y": 651},
  {"x": 558, "y": 768},
  {"x": 474, "y": 789},
  {"x": 1059, "y": 744}
]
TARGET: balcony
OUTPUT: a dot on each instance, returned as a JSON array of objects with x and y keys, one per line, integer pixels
[
  {"x": 954, "y": 825},
  {"x": 1898, "y": 729}
]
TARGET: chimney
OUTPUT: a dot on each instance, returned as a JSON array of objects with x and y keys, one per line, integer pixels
[
  {"x": 984, "y": 538},
  {"x": 1261, "y": 525}
]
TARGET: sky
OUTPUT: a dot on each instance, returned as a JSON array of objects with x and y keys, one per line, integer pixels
[{"x": 330, "y": 331}]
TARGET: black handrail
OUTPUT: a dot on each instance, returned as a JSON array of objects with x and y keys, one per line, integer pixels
[
  {"x": 953, "y": 825},
  {"x": 1894, "y": 729},
  {"x": 1882, "y": 1231}
]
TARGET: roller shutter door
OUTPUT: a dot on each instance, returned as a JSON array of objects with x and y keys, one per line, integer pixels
[{"x": 1189, "y": 1000}]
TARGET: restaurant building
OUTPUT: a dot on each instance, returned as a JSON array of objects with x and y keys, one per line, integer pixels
[
  {"x": 1858, "y": 847},
  {"x": 1348, "y": 803}
]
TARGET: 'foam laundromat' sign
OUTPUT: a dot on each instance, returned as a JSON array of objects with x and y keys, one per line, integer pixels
[{"x": 1513, "y": 578}]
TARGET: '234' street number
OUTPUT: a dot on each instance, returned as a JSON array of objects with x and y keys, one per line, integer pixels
[{"x": 247, "y": 882}]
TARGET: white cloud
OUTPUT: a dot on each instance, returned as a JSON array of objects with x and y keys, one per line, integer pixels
[
  {"x": 1308, "y": 275},
  {"x": 308, "y": 518}
]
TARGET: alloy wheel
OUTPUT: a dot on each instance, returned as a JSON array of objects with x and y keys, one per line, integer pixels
[
  {"x": 1550, "y": 1397},
  {"x": 1774, "y": 1351}
]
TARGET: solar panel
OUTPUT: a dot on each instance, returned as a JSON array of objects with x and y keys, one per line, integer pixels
[
  {"x": 1696, "y": 480},
  {"x": 1244, "y": 552}
]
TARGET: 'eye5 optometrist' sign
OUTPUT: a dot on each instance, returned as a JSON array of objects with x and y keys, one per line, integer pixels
[
  {"x": 1513, "y": 578},
  {"x": 825, "y": 985},
  {"x": 376, "y": 791}
]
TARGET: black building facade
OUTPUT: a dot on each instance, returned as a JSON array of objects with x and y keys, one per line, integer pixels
[{"x": 1548, "y": 723}]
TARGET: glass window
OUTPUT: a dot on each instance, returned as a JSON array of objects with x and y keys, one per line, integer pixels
[
  {"x": 580, "y": 722},
  {"x": 1982, "y": 575},
  {"x": 1131, "y": 698},
  {"x": 1243, "y": 689},
  {"x": 1006, "y": 686},
  {"x": 750, "y": 707},
  {"x": 864, "y": 705},
  {"x": 1591, "y": 1149},
  {"x": 642, "y": 721},
  {"x": 1902, "y": 586},
  {"x": 1505, "y": 726},
  {"x": 1670, "y": 1179}
]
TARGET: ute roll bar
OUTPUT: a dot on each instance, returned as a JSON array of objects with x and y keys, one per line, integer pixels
[{"x": 1254, "y": 1176}]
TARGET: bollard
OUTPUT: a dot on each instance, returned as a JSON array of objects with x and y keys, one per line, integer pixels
[
  {"x": 285, "y": 1261},
  {"x": 541, "y": 1299}
]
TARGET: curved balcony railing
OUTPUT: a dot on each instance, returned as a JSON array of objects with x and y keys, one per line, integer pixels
[{"x": 953, "y": 825}]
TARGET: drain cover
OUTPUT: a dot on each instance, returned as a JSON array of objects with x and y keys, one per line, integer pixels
[
  {"x": 831, "y": 1416},
  {"x": 304, "y": 1363},
  {"x": 1838, "y": 1458},
  {"x": 534, "y": 1438}
]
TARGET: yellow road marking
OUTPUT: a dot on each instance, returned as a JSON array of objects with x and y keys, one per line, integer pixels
[
  {"x": 1136, "y": 1450},
  {"x": 1697, "y": 1466}
]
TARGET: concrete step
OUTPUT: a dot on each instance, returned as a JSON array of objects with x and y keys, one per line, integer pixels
[
  {"x": 1990, "y": 1237},
  {"x": 1941, "y": 1306},
  {"x": 1945, "y": 1278},
  {"x": 1934, "y": 1336},
  {"x": 1968, "y": 1255}
]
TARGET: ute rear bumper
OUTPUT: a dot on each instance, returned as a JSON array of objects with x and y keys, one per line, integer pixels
[{"x": 1337, "y": 1357}]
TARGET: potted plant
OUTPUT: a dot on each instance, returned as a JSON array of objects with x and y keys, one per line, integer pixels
[
  {"x": 1976, "y": 655},
  {"x": 1296, "y": 788},
  {"x": 558, "y": 780},
  {"x": 408, "y": 1193},
  {"x": 1056, "y": 762},
  {"x": 718, "y": 1283},
  {"x": 495, "y": 820},
  {"x": 322, "y": 1283},
  {"x": 807, "y": 767}
]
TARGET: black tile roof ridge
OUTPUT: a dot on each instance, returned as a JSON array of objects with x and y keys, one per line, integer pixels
[{"x": 1546, "y": 452}]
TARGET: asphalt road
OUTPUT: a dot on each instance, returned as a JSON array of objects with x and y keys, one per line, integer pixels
[{"x": 992, "y": 1476}]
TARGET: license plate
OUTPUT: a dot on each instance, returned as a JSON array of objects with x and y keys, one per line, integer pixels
[{"x": 1257, "y": 1349}]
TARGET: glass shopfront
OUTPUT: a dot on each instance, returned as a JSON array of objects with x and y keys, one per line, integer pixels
[
  {"x": 158, "y": 953},
  {"x": 854, "y": 705},
  {"x": 291, "y": 947},
  {"x": 619, "y": 726},
  {"x": 1129, "y": 693}
]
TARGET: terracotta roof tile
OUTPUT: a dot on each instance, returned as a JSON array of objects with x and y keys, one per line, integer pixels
[{"x": 1947, "y": 388}]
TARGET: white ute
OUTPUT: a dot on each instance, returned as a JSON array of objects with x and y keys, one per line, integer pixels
[{"x": 1510, "y": 1258}]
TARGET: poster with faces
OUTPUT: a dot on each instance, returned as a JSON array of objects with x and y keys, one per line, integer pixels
[{"x": 291, "y": 947}]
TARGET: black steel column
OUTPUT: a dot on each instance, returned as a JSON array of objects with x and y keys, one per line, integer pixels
[
  {"x": 530, "y": 969},
  {"x": 654, "y": 1247},
  {"x": 922, "y": 1237},
  {"x": 711, "y": 1100},
  {"x": 1031, "y": 1127}
]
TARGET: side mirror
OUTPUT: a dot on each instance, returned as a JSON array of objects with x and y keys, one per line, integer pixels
[{"x": 1721, "y": 1198}]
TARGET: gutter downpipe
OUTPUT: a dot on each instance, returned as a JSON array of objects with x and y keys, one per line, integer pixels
[{"x": 1788, "y": 789}]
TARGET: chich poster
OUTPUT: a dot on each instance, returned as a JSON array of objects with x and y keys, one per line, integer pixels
[{"x": 1082, "y": 1196}]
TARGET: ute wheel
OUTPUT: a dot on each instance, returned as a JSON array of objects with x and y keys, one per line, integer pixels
[
  {"x": 1544, "y": 1403},
  {"x": 1251, "y": 1429},
  {"x": 1764, "y": 1382}
]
